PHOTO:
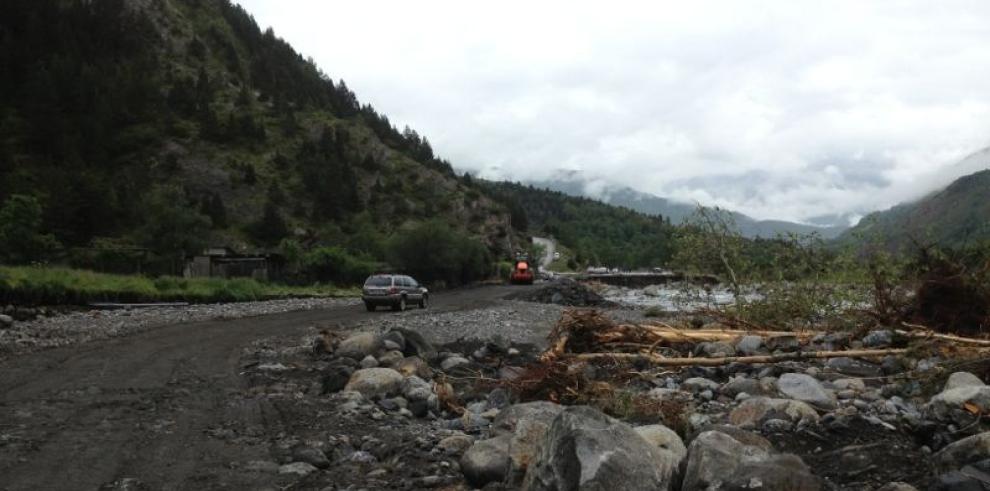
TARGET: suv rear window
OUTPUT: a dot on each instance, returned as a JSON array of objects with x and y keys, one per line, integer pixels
[{"x": 379, "y": 281}]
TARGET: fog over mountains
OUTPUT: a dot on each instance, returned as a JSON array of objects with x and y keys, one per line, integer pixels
[{"x": 576, "y": 184}]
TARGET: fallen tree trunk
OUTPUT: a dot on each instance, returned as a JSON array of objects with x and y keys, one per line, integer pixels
[
  {"x": 725, "y": 360},
  {"x": 944, "y": 337}
]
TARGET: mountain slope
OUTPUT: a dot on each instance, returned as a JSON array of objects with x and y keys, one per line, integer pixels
[
  {"x": 677, "y": 212},
  {"x": 600, "y": 234},
  {"x": 956, "y": 216},
  {"x": 122, "y": 116}
]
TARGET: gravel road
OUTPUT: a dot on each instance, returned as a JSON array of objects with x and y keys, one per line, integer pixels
[
  {"x": 549, "y": 248},
  {"x": 137, "y": 407},
  {"x": 91, "y": 325}
]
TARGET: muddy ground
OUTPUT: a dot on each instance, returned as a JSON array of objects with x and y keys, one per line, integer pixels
[{"x": 155, "y": 409}]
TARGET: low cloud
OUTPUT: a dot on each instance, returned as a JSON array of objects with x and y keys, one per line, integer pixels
[{"x": 786, "y": 110}]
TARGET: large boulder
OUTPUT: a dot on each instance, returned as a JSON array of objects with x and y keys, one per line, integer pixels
[
  {"x": 805, "y": 388},
  {"x": 509, "y": 418},
  {"x": 413, "y": 365},
  {"x": 718, "y": 461},
  {"x": 782, "y": 342},
  {"x": 390, "y": 358},
  {"x": 416, "y": 389},
  {"x": 375, "y": 382},
  {"x": 962, "y": 379},
  {"x": 950, "y": 403},
  {"x": 665, "y": 440},
  {"x": 415, "y": 344},
  {"x": 587, "y": 450},
  {"x": 453, "y": 362},
  {"x": 486, "y": 461},
  {"x": 738, "y": 434},
  {"x": 878, "y": 339},
  {"x": 750, "y": 345},
  {"x": 969, "y": 450},
  {"x": 335, "y": 378},
  {"x": 853, "y": 367},
  {"x": 779, "y": 472},
  {"x": 699, "y": 384},
  {"x": 527, "y": 425},
  {"x": 310, "y": 455},
  {"x": 751, "y": 386},
  {"x": 455, "y": 444},
  {"x": 713, "y": 457},
  {"x": 972, "y": 477},
  {"x": 753, "y": 412},
  {"x": 360, "y": 345}
]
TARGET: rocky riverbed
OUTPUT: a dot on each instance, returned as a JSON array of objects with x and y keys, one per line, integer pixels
[
  {"x": 430, "y": 401},
  {"x": 475, "y": 394},
  {"x": 50, "y": 328}
]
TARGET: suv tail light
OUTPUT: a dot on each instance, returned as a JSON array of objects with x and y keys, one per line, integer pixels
[{"x": 393, "y": 290}]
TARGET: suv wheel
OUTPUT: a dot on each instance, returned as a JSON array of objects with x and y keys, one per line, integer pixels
[
  {"x": 370, "y": 306},
  {"x": 424, "y": 302},
  {"x": 401, "y": 305}
]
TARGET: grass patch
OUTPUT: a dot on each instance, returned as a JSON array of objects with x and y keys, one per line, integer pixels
[{"x": 54, "y": 286}]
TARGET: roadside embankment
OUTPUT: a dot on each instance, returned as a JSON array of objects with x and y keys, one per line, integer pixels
[{"x": 33, "y": 285}]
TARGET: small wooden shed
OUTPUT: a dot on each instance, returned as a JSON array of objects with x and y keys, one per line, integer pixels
[{"x": 224, "y": 262}]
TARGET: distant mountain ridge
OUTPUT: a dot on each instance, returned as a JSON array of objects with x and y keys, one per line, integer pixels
[
  {"x": 575, "y": 185},
  {"x": 957, "y": 215}
]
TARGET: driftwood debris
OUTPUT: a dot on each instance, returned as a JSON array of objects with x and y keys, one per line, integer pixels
[
  {"x": 725, "y": 360},
  {"x": 588, "y": 335}
]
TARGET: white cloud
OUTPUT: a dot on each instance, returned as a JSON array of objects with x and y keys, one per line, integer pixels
[{"x": 788, "y": 109}]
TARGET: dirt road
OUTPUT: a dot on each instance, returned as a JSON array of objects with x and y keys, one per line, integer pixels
[
  {"x": 549, "y": 248},
  {"x": 136, "y": 412}
]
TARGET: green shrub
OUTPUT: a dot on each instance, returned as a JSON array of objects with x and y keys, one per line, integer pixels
[
  {"x": 44, "y": 285},
  {"x": 333, "y": 264},
  {"x": 504, "y": 270},
  {"x": 434, "y": 252},
  {"x": 21, "y": 241}
]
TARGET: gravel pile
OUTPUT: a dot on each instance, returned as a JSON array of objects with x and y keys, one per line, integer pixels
[
  {"x": 522, "y": 322},
  {"x": 563, "y": 292},
  {"x": 85, "y": 326}
]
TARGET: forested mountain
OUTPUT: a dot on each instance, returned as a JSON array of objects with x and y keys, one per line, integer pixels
[
  {"x": 601, "y": 234},
  {"x": 677, "y": 212},
  {"x": 174, "y": 124},
  {"x": 956, "y": 216}
]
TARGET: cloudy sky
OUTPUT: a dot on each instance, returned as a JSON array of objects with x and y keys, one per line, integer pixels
[{"x": 784, "y": 109}]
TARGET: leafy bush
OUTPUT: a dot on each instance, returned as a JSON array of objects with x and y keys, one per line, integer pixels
[
  {"x": 433, "y": 252},
  {"x": 333, "y": 264},
  {"x": 21, "y": 241},
  {"x": 504, "y": 270}
]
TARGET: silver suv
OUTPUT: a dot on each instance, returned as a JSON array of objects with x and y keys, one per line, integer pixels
[{"x": 394, "y": 290}]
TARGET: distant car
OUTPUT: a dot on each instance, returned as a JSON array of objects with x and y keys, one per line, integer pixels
[{"x": 393, "y": 290}]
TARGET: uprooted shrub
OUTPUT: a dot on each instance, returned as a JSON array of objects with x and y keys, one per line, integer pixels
[
  {"x": 603, "y": 385},
  {"x": 940, "y": 289},
  {"x": 953, "y": 293}
]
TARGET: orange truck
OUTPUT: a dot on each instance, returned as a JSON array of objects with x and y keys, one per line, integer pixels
[{"x": 522, "y": 274}]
